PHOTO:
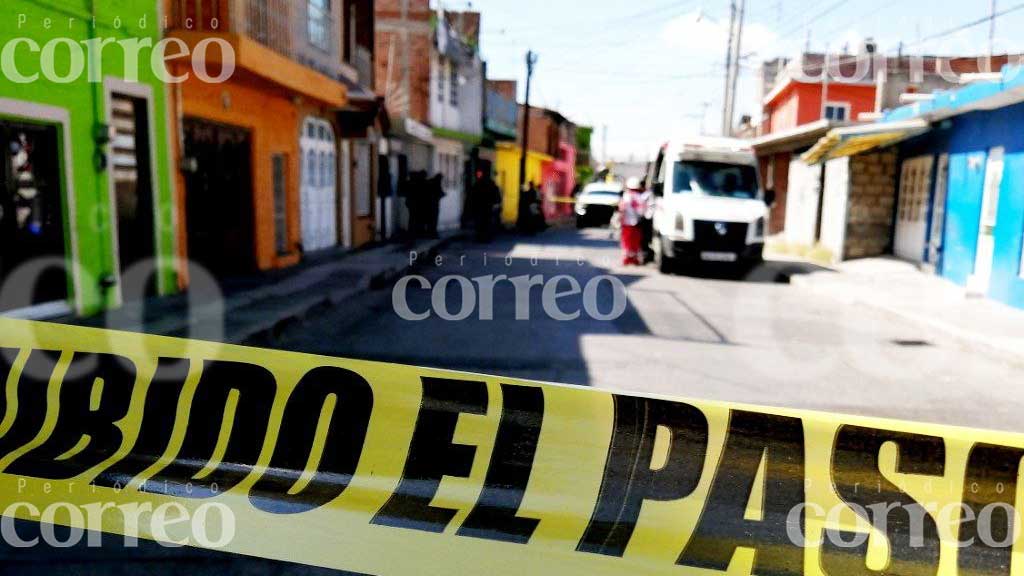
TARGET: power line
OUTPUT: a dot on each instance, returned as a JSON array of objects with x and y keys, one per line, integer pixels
[
  {"x": 967, "y": 26},
  {"x": 882, "y": 6},
  {"x": 806, "y": 23},
  {"x": 936, "y": 36}
]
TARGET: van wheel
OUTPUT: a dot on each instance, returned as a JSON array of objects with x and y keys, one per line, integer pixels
[{"x": 665, "y": 264}]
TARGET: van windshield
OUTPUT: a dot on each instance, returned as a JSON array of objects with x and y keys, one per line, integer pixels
[{"x": 715, "y": 179}]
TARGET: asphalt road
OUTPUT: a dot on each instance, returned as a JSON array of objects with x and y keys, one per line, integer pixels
[{"x": 713, "y": 334}]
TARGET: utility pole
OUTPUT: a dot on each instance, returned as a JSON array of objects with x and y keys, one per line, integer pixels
[
  {"x": 736, "y": 62},
  {"x": 992, "y": 33},
  {"x": 726, "y": 96},
  {"x": 531, "y": 59},
  {"x": 824, "y": 85},
  {"x": 732, "y": 73}
]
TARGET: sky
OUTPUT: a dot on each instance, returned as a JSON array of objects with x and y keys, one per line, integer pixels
[{"x": 651, "y": 70}]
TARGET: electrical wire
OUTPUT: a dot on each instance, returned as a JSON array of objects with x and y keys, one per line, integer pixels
[{"x": 969, "y": 25}]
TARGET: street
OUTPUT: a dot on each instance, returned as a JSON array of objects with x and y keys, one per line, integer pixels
[{"x": 712, "y": 336}]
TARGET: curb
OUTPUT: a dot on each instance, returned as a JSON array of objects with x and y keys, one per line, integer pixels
[{"x": 266, "y": 332}]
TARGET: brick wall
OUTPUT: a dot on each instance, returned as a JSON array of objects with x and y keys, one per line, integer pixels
[
  {"x": 544, "y": 135},
  {"x": 870, "y": 204},
  {"x": 507, "y": 88},
  {"x": 403, "y": 44}
]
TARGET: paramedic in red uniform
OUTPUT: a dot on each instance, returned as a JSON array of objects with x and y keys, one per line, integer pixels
[{"x": 634, "y": 207}]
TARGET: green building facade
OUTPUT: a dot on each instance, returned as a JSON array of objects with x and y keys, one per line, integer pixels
[{"x": 86, "y": 191}]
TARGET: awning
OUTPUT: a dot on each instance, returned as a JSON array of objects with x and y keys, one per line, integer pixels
[{"x": 856, "y": 139}]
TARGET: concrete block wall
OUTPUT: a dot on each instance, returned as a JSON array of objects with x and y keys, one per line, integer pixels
[{"x": 872, "y": 197}]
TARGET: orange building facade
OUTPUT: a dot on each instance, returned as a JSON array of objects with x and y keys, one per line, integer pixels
[
  {"x": 276, "y": 160},
  {"x": 800, "y": 103}
]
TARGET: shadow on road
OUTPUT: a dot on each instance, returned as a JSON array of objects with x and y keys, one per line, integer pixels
[{"x": 510, "y": 331}]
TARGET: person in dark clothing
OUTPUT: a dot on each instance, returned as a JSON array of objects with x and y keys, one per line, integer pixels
[
  {"x": 434, "y": 192},
  {"x": 531, "y": 217},
  {"x": 414, "y": 191},
  {"x": 485, "y": 198}
]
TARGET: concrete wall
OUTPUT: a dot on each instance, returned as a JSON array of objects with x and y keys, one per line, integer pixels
[
  {"x": 471, "y": 98},
  {"x": 870, "y": 204},
  {"x": 834, "y": 206}
]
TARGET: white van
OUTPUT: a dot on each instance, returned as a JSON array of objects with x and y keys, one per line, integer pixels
[{"x": 709, "y": 206}]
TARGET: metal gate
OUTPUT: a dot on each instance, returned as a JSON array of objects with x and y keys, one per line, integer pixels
[{"x": 319, "y": 196}]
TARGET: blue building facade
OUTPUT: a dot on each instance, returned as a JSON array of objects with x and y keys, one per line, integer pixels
[{"x": 976, "y": 200}]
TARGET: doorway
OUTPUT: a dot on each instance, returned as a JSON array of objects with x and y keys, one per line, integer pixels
[
  {"x": 31, "y": 210},
  {"x": 912, "y": 208},
  {"x": 131, "y": 174},
  {"x": 938, "y": 225},
  {"x": 218, "y": 197},
  {"x": 319, "y": 194},
  {"x": 979, "y": 282}
]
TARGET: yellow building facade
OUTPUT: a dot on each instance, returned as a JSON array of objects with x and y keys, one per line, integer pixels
[{"x": 507, "y": 169}]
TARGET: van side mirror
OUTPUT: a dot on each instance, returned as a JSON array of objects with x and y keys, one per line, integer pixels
[
  {"x": 769, "y": 197},
  {"x": 658, "y": 189}
]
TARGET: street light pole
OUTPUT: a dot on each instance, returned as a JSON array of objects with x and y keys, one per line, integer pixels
[{"x": 531, "y": 59}]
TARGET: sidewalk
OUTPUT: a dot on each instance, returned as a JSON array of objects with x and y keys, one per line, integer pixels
[
  {"x": 899, "y": 288},
  {"x": 256, "y": 307}
]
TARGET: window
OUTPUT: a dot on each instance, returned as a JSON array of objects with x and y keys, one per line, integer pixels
[
  {"x": 837, "y": 112},
  {"x": 454, "y": 84},
  {"x": 279, "y": 162},
  {"x": 319, "y": 20},
  {"x": 715, "y": 179},
  {"x": 310, "y": 172}
]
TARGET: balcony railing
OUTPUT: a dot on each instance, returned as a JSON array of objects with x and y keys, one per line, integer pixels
[{"x": 266, "y": 21}]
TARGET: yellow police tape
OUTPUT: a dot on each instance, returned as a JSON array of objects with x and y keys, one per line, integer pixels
[{"x": 386, "y": 469}]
